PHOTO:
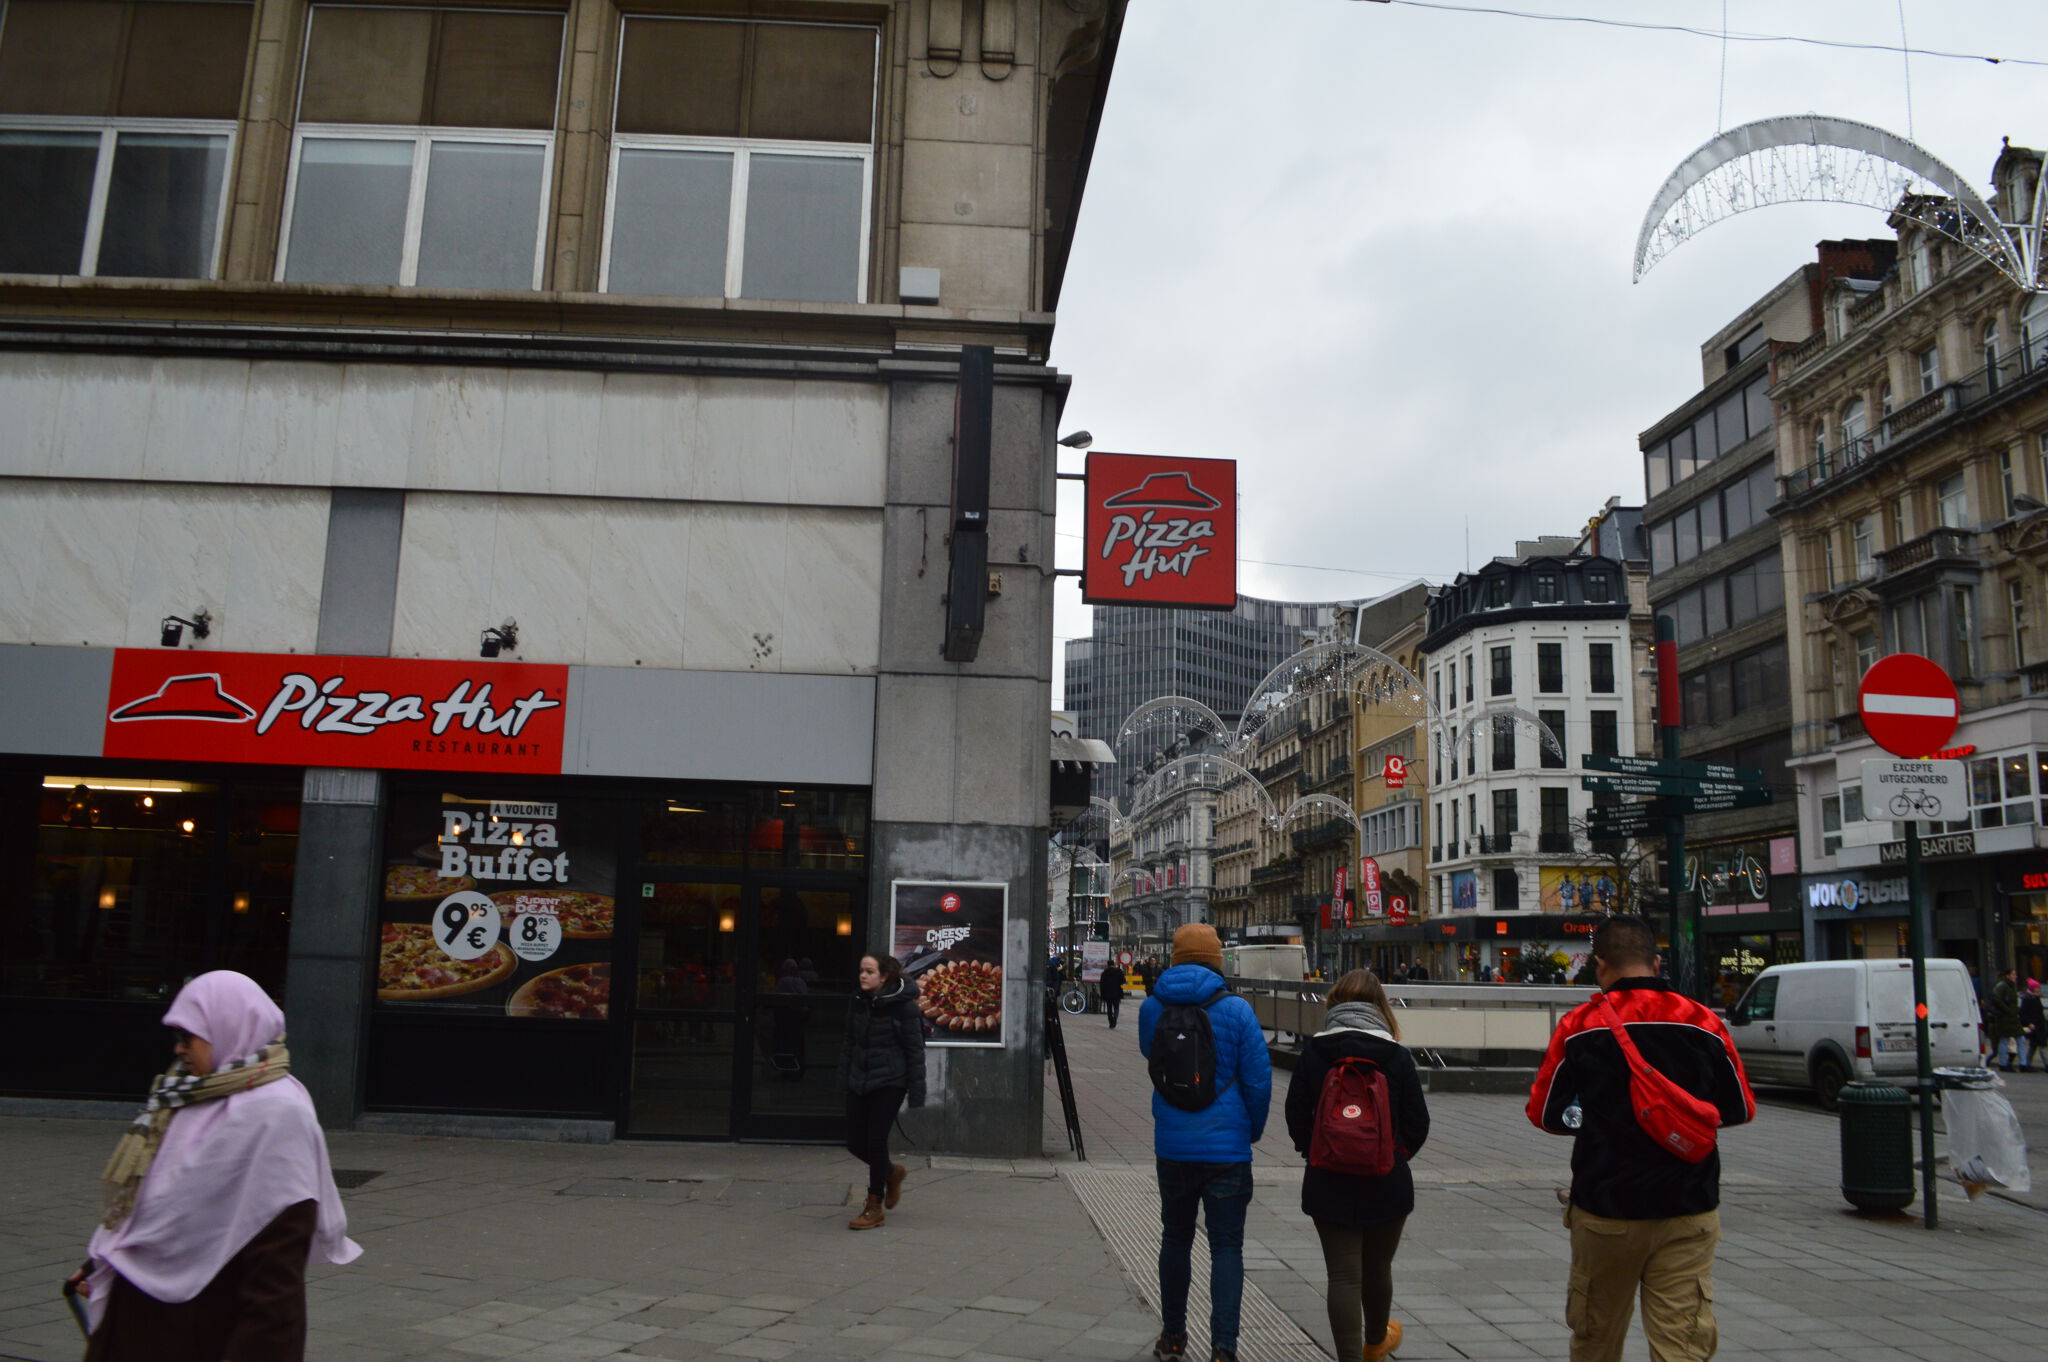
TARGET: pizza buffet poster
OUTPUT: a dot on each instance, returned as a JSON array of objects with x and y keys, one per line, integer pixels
[
  {"x": 940, "y": 929},
  {"x": 442, "y": 843}
]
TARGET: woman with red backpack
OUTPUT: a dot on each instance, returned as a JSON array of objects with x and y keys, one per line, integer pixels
[{"x": 1355, "y": 1110}]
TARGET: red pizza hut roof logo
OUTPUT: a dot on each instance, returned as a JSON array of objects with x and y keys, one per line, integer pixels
[
  {"x": 950, "y": 904},
  {"x": 199, "y": 696},
  {"x": 1163, "y": 544}
]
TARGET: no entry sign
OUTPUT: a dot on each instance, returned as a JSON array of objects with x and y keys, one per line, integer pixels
[{"x": 1909, "y": 705}]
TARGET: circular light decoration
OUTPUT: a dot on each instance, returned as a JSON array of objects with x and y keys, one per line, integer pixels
[{"x": 1808, "y": 158}]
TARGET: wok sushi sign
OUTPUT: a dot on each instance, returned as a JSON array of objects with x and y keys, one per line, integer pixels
[
  {"x": 1161, "y": 531},
  {"x": 297, "y": 710}
]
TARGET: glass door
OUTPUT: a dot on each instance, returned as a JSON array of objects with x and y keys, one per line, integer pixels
[
  {"x": 806, "y": 952},
  {"x": 686, "y": 1028}
]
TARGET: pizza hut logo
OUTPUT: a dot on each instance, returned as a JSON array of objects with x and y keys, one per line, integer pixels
[
  {"x": 200, "y": 697},
  {"x": 1353, "y": 1111},
  {"x": 329, "y": 707},
  {"x": 1148, "y": 534},
  {"x": 950, "y": 904}
]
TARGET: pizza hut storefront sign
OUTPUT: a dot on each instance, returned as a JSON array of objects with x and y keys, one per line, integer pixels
[
  {"x": 379, "y": 712},
  {"x": 1161, "y": 531}
]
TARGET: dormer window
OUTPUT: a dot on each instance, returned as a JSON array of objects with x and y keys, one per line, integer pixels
[
  {"x": 1599, "y": 588},
  {"x": 1543, "y": 589}
]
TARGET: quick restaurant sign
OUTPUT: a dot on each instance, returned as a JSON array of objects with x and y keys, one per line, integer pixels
[{"x": 298, "y": 710}]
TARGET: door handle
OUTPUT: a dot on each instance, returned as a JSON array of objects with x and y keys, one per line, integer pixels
[
  {"x": 1937, "y": 1026},
  {"x": 1769, "y": 1027}
]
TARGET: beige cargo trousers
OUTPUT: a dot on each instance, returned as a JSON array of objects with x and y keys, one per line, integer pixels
[{"x": 1671, "y": 1262}]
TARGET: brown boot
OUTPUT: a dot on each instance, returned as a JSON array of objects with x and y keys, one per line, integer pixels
[
  {"x": 870, "y": 1215},
  {"x": 895, "y": 1192}
]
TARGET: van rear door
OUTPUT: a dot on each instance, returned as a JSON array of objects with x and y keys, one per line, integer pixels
[
  {"x": 1951, "y": 1014},
  {"x": 1894, "y": 1046}
]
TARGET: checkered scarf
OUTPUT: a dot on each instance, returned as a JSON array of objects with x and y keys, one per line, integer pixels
[{"x": 176, "y": 1088}]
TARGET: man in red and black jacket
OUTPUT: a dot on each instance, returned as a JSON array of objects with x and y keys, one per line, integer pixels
[{"x": 1641, "y": 1218}]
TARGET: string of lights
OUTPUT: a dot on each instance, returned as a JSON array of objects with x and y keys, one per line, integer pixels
[{"x": 1716, "y": 34}]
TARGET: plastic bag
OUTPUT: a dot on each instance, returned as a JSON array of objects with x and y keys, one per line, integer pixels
[{"x": 1986, "y": 1146}]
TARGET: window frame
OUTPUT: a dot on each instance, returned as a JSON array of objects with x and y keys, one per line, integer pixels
[
  {"x": 422, "y": 136},
  {"x": 742, "y": 150},
  {"x": 109, "y": 130}
]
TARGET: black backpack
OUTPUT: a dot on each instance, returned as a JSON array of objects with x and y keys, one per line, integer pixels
[{"x": 1183, "y": 1064}]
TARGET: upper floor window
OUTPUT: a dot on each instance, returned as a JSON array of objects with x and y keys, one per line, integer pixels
[
  {"x": 1496, "y": 592},
  {"x": 1854, "y": 423},
  {"x": 1503, "y": 745},
  {"x": 1550, "y": 753},
  {"x": 1884, "y": 400},
  {"x": 1952, "y": 502},
  {"x": 1988, "y": 348},
  {"x": 1599, "y": 588},
  {"x": 1606, "y": 732},
  {"x": 1600, "y": 668},
  {"x": 116, "y": 122},
  {"x": 1550, "y": 668},
  {"x": 1929, "y": 362},
  {"x": 742, "y": 160},
  {"x": 1543, "y": 587},
  {"x": 423, "y": 148},
  {"x": 1863, "y": 541},
  {"x": 1501, "y": 680}
]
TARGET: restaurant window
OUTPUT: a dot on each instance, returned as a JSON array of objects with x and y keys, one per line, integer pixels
[
  {"x": 122, "y": 887},
  {"x": 1600, "y": 668},
  {"x": 423, "y": 148},
  {"x": 1501, "y": 680},
  {"x": 116, "y": 122},
  {"x": 1550, "y": 668},
  {"x": 742, "y": 159}
]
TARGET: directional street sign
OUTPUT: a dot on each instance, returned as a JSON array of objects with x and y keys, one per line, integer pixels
[
  {"x": 1663, "y": 785},
  {"x": 1748, "y": 797},
  {"x": 1695, "y": 770},
  {"x": 1645, "y": 815}
]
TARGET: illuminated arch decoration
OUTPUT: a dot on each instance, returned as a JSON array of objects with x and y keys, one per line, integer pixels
[{"x": 1809, "y": 158}]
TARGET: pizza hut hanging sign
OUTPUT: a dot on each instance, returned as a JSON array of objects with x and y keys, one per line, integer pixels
[
  {"x": 1161, "y": 531},
  {"x": 296, "y": 710}
]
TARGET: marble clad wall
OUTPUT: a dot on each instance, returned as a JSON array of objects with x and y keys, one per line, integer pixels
[
  {"x": 101, "y": 563},
  {"x": 622, "y": 583},
  {"x": 443, "y": 428}
]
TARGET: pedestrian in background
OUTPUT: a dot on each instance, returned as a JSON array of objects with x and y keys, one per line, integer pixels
[
  {"x": 218, "y": 1196},
  {"x": 1641, "y": 1218},
  {"x": 1359, "y": 1217},
  {"x": 881, "y": 1064},
  {"x": 2002, "y": 1022},
  {"x": 2033, "y": 1022},
  {"x": 1110, "y": 984},
  {"x": 1205, "y": 1156}
]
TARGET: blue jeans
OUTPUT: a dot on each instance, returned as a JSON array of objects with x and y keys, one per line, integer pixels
[{"x": 1224, "y": 1193}]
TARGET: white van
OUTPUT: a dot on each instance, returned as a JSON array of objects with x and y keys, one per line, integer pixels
[
  {"x": 1823, "y": 1024},
  {"x": 1265, "y": 962}
]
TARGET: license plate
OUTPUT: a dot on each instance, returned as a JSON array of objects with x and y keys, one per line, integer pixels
[{"x": 1906, "y": 1043}]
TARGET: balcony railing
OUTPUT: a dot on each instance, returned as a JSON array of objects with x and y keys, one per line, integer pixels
[
  {"x": 2023, "y": 367},
  {"x": 1331, "y": 830},
  {"x": 1864, "y": 309},
  {"x": 1554, "y": 841},
  {"x": 1944, "y": 544},
  {"x": 1267, "y": 874},
  {"x": 1495, "y": 843}
]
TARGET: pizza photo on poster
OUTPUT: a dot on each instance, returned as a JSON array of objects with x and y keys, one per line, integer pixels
[
  {"x": 950, "y": 937},
  {"x": 496, "y": 905}
]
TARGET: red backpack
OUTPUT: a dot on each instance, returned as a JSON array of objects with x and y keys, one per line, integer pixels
[{"x": 1354, "y": 1130}]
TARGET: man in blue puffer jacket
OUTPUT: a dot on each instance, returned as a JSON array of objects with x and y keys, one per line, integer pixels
[{"x": 1205, "y": 1157}]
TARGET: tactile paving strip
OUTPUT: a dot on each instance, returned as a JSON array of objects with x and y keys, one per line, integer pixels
[{"x": 1124, "y": 1204}]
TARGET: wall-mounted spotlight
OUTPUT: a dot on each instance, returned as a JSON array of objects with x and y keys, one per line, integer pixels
[
  {"x": 174, "y": 627},
  {"x": 505, "y": 636}
]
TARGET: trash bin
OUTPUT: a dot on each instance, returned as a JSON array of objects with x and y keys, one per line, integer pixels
[{"x": 1877, "y": 1146}]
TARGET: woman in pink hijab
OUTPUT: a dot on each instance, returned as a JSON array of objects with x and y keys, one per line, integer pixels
[{"x": 218, "y": 1196}]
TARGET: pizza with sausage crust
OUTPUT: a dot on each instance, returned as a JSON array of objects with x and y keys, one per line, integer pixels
[
  {"x": 412, "y": 968},
  {"x": 418, "y": 883},
  {"x": 962, "y": 995},
  {"x": 577, "y": 991},
  {"x": 585, "y": 917}
]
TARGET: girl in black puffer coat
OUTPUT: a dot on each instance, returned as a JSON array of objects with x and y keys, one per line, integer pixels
[
  {"x": 1358, "y": 1217},
  {"x": 880, "y": 1065}
]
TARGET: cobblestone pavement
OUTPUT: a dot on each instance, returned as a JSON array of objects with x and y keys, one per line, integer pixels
[{"x": 539, "y": 1251}]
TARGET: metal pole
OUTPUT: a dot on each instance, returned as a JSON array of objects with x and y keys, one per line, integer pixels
[
  {"x": 1685, "y": 973},
  {"x": 1916, "y": 920}
]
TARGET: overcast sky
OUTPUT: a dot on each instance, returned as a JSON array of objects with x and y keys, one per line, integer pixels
[{"x": 1380, "y": 254}]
